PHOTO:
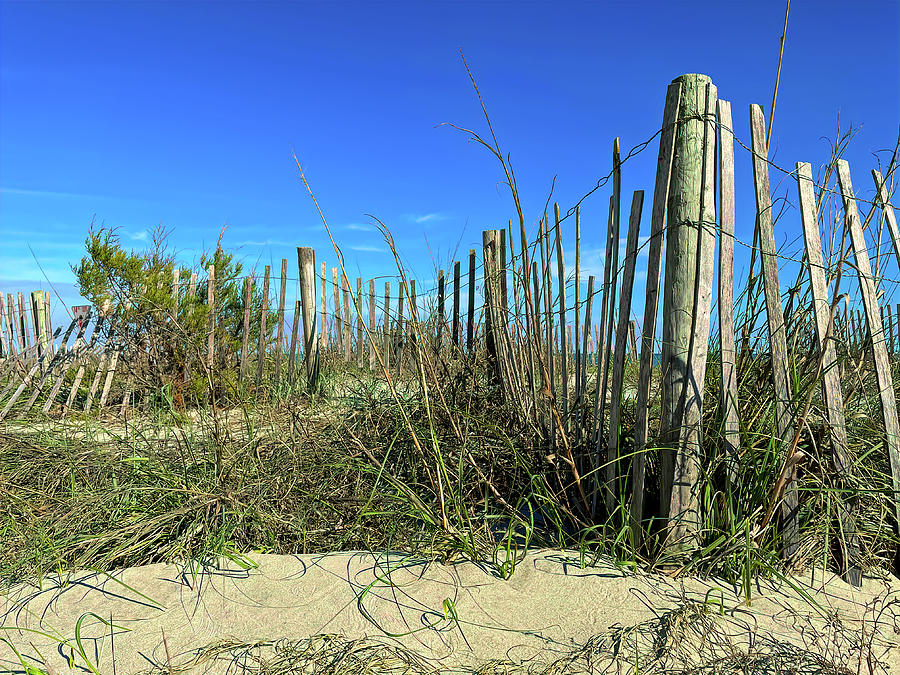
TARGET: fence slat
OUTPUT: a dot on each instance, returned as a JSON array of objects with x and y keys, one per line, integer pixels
[
  {"x": 245, "y": 328},
  {"x": 338, "y": 327},
  {"x": 263, "y": 328},
  {"x": 890, "y": 216},
  {"x": 295, "y": 329},
  {"x": 386, "y": 326},
  {"x": 622, "y": 329},
  {"x": 57, "y": 359},
  {"x": 831, "y": 384},
  {"x": 470, "y": 328},
  {"x": 323, "y": 332},
  {"x": 440, "y": 312},
  {"x": 359, "y": 322},
  {"x": 70, "y": 356},
  {"x": 876, "y": 331},
  {"x": 279, "y": 339},
  {"x": 372, "y": 331},
  {"x": 728, "y": 395},
  {"x": 456, "y": 281},
  {"x": 775, "y": 320}
]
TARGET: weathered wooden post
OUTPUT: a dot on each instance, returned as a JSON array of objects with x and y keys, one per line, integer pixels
[
  {"x": 768, "y": 256},
  {"x": 359, "y": 322},
  {"x": 727, "y": 352},
  {"x": 306, "y": 261},
  {"x": 687, "y": 304},
  {"x": 875, "y": 329},
  {"x": 372, "y": 324},
  {"x": 323, "y": 331},
  {"x": 456, "y": 280},
  {"x": 39, "y": 319},
  {"x": 295, "y": 327},
  {"x": 279, "y": 353},
  {"x": 612, "y": 473},
  {"x": 263, "y": 329},
  {"x": 245, "y": 329},
  {"x": 386, "y": 326},
  {"x": 24, "y": 326},
  {"x": 440, "y": 309},
  {"x": 48, "y": 326},
  {"x": 470, "y": 334},
  {"x": 348, "y": 325},
  {"x": 338, "y": 327},
  {"x": 831, "y": 384},
  {"x": 4, "y": 342},
  {"x": 211, "y": 302}
]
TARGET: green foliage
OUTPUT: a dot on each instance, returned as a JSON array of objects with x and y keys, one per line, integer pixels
[{"x": 170, "y": 327}]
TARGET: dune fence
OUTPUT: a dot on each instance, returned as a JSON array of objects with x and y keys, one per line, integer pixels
[{"x": 602, "y": 388}]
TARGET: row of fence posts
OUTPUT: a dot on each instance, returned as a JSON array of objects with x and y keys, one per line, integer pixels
[
  {"x": 530, "y": 349},
  {"x": 25, "y": 326}
]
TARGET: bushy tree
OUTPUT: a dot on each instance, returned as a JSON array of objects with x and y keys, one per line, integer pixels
[{"x": 162, "y": 331}]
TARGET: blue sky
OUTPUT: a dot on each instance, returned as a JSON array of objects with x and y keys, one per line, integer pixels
[{"x": 136, "y": 114}]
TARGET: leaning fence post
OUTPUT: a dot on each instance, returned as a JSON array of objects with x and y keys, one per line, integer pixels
[
  {"x": 690, "y": 242},
  {"x": 775, "y": 321},
  {"x": 613, "y": 475},
  {"x": 876, "y": 330},
  {"x": 831, "y": 383}
]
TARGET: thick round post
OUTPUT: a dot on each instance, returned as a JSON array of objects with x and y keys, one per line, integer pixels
[{"x": 690, "y": 242}]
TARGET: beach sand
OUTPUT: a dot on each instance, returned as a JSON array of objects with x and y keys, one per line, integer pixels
[{"x": 555, "y": 610}]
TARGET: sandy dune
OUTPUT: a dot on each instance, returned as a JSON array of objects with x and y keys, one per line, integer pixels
[{"x": 456, "y": 616}]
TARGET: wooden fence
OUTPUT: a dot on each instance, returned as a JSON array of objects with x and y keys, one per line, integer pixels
[{"x": 558, "y": 357}]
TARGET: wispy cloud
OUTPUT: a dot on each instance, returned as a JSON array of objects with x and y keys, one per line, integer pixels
[
  {"x": 367, "y": 248},
  {"x": 51, "y": 194},
  {"x": 140, "y": 235},
  {"x": 359, "y": 227},
  {"x": 265, "y": 242},
  {"x": 424, "y": 218}
]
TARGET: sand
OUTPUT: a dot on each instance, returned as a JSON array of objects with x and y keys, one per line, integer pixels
[{"x": 553, "y": 610}]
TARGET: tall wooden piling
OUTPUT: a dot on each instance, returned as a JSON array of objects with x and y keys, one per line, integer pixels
[{"x": 690, "y": 241}]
